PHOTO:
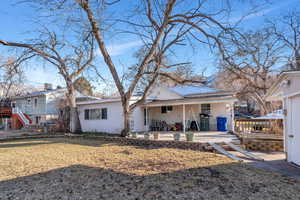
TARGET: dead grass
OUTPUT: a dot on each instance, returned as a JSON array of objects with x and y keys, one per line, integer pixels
[{"x": 61, "y": 168}]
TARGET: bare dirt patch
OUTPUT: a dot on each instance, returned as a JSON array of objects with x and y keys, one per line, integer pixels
[{"x": 63, "y": 168}]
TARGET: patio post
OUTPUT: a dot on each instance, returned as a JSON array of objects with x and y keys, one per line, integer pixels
[
  {"x": 232, "y": 117},
  {"x": 146, "y": 119},
  {"x": 183, "y": 117}
]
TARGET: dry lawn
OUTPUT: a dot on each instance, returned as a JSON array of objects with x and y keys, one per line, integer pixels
[{"x": 62, "y": 168}]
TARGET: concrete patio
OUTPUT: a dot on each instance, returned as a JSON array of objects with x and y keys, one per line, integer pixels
[{"x": 203, "y": 136}]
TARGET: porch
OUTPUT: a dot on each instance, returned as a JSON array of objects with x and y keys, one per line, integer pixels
[{"x": 197, "y": 117}]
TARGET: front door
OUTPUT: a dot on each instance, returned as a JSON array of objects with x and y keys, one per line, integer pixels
[{"x": 294, "y": 135}]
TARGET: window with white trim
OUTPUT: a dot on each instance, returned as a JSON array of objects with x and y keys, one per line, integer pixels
[
  {"x": 95, "y": 114},
  {"x": 206, "y": 109}
]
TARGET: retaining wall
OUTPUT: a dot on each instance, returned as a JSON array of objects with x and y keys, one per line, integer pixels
[{"x": 263, "y": 145}]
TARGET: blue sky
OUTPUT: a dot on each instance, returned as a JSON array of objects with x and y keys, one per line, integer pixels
[{"x": 16, "y": 25}]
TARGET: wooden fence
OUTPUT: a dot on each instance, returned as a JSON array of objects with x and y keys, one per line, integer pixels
[{"x": 259, "y": 126}]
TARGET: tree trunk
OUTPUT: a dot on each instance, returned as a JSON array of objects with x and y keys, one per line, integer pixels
[
  {"x": 126, "y": 114},
  {"x": 75, "y": 126}
]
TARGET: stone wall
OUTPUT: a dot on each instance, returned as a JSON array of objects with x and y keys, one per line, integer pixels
[{"x": 263, "y": 145}]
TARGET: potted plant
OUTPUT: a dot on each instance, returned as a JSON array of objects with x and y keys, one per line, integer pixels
[
  {"x": 189, "y": 136},
  {"x": 176, "y": 136},
  {"x": 134, "y": 135},
  {"x": 156, "y": 136},
  {"x": 147, "y": 136}
]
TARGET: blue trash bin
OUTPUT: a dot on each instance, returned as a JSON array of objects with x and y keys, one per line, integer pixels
[{"x": 222, "y": 123}]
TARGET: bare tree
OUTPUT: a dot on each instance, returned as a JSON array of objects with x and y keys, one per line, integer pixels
[
  {"x": 168, "y": 74},
  {"x": 249, "y": 63},
  {"x": 161, "y": 25},
  {"x": 287, "y": 29},
  {"x": 69, "y": 58},
  {"x": 11, "y": 76}
]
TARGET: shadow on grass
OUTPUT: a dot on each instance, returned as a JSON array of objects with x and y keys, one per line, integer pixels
[
  {"x": 83, "y": 141},
  {"x": 280, "y": 166},
  {"x": 228, "y": 181},
  {"x": 23, "y": 144},
  {"x": 41, "y": 141}
]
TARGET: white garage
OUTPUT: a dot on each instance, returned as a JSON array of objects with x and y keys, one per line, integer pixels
[{"x": 287, "y": 89}]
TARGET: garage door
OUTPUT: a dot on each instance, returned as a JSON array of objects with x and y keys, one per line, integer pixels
[{"x": 294, "y": 136}]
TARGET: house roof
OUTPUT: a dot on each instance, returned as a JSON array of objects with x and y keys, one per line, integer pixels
[
  {"x": 99, "y": 101},
  {"x": 78, "y": 95},
  {"x": 105, "y": 100},
  {"x": 190, "y": 90},
  {"x": 187, "y": 93},
  {"x": 41, "y": 93},
  {"x": 192, "y": 100}
]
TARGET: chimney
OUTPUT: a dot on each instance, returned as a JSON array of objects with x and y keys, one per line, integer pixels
[{"x": 48, "y": 86}]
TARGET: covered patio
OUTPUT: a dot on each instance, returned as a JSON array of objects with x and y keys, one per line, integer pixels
[{"x": 197, "y": 115}]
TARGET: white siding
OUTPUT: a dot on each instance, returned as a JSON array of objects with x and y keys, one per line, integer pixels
[
  {"x": 138, "y": 120},
  {"x": 161, "y": 93},
  {"x": 291, "y": 104},
  {"x": 221, "y": 110},
  {"x": 293, "y": 87},
  {"x": 32, "y": 108},
  {"x": 291, "y": 127},
  {"x": 113, "y": 123}
]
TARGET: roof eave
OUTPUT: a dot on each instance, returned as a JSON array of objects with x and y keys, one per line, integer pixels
[{"x": 210, "y": 94}]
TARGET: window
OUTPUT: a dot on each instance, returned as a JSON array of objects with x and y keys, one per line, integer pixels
[
  {"x": 165, "y": 109},
  {"x": 86, "y": 114},
  {"x": 94, "y": 114},
  {"x": 35, "y": 102},
  {"x": 37, "y": 119},
  {"x": 28, "y": 101},
  {"x": 145, "y": 116},
  {"x": 103, "y": 113},
  {"x": 205, "y": 109}
]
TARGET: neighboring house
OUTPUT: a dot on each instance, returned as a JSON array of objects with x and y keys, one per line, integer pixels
[
  {"x": 40, "y": 106},
  {"x": 37, "y": 107},
  {"x": 180, "y": 108},
  {"x": 287, "y": 89}
]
